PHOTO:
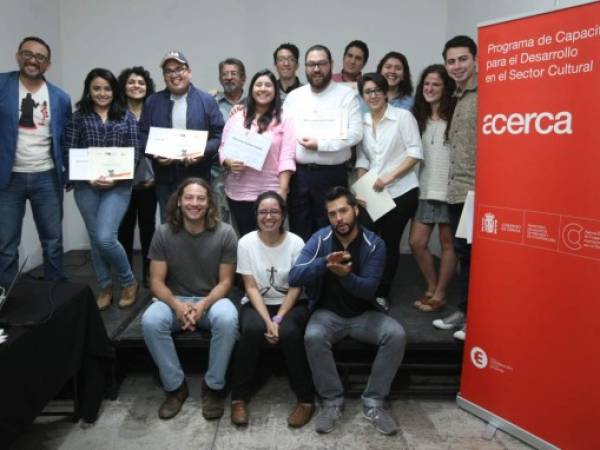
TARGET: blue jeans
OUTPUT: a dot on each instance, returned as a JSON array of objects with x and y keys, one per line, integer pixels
[
  {"x": 102, "y": 211},
  {"x": 159, "y": 322},
  {"x": 44, "y": 194},
  {"x": 325, "y": 328}
]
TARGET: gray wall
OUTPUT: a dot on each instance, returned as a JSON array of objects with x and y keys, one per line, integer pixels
[{"x": 119, "y": 33}]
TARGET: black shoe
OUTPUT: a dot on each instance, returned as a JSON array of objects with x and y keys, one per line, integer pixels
[
  {"x": 173, "y": 403},
  {"x": 213, "y": 402}
]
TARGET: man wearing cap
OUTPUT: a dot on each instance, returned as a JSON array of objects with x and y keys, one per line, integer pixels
[
  {"x": 33, "y": 113},
  {"x": 180, "y": 105}
]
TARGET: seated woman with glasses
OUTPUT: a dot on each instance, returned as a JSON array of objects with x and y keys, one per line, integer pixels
[
  {"x": 102, "y": 120},
  {"x": 391, "y": 147},
  {"x": 262, "y": 115},
  {"x": 271, "y": 310}
]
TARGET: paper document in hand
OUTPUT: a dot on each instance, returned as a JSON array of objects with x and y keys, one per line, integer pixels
[
  {"x": 176, "y": 143},
  {"x": 115, "y": 163},
  {"x": 247, "y": 146},
  {"x": 378, "y": 203},
  {"x": 465, "y": 224},
  {"x": 325, "y": 124}
]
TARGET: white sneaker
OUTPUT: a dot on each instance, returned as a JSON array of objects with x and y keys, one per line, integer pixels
[
  {"x": 455, "y": 320},
  {"x": 460, "y": 334}
]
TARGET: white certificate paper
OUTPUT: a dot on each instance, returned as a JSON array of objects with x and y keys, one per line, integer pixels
[
  {"x": 114, "y": 163},
  {"x": 465, "y": 224},
  {"x": 378, "y": 203},
  {"x": 247, "y": 146},
  {"x": 175, "y": 143},
  {"x": 325, "y": 124}
]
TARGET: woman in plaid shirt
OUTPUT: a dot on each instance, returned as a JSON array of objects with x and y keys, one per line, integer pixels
[{"x": 102, "y": 120}]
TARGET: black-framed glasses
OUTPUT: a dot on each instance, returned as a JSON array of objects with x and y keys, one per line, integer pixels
[
  {"x": 272, "y": 212},
  {"x": 372, "y": 92},
  {"x": 175, "y": 72},
  {"x": 311, "y": 65},
  {"x": 26, "y": 54}
]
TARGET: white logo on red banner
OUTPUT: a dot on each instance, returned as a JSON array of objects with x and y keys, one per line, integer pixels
[{"x": 479, "y": 357}]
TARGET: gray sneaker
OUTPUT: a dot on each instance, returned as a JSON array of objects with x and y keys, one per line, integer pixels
[
  {"x": 383, "y": 421},
  {"x": 326, "y": 418},
  {"x": 455, "y": 320}
]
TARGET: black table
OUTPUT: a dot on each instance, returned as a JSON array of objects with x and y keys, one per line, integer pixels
[{"x": 55, "y": 334}]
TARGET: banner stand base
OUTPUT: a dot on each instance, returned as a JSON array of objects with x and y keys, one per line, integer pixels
[{"x": 496, "y": 422}]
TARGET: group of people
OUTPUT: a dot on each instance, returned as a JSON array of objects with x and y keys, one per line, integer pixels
[{"x": 306, "y": 288}]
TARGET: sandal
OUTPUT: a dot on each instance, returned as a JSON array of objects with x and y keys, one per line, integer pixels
[
  {"x": 423, "y": 300},
  {"x": 432, "y": 305}
]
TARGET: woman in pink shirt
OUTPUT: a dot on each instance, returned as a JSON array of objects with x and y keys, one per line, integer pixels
[{"x": 262, "y": 115}]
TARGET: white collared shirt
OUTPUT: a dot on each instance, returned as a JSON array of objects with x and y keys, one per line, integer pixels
[
  {"x": 397, "y": 138},
  {"x": 303, "y": 101}
]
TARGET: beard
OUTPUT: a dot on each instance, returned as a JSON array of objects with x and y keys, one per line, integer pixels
[{"x": 320, "y": 84}]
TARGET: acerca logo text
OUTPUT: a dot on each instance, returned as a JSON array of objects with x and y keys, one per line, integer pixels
[{"x": 528, "y": 123}]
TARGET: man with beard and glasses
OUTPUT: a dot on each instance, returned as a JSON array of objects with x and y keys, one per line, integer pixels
[
  {"x": 181, "y": 105},
  {"x": 33, "y": 114},
  {"x": 320, "y": 154},
  {"x": 192, "y": 266},
  {"x": 341, "y": 266}
]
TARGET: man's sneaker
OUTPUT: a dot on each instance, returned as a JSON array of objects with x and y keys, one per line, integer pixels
[
  {"x": 461, "y": 334},
  {"x": 454, "y": 320},
  {"x": 326, "y": 418},
  {"x": 384, "y": 422},
  {"x": 173, "y": 403},
  {"x": 213, "y": 403}
]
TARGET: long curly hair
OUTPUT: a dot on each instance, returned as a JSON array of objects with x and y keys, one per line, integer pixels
[{"x": 174, "y": 215}]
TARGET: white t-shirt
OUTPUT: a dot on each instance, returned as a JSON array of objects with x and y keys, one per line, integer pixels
[
  {"x": 270, "y": 266},
  {"x": 34, "y": 139}
]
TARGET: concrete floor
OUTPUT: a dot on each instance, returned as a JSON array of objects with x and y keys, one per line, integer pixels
[{"x": 131, "y": 422}]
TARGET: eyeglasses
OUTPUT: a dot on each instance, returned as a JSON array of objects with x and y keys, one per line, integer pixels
[
  {"x": 174, "y": 72},
  {"x": 290, "y": 59},
  {"x": 26, "y": 54},
  {"x": 232, "y": 74},
  {"x": 266, "y": 212},
  {"x": 372, "y": 92},
  {"x": 311, "y": 65}
]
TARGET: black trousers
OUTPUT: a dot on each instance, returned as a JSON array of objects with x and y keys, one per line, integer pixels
[
  {"x": 243, "y": 215},
  {"x": 463, "y": 253},
  {"x": 390, "y": 228},
  {"x": 291, "y": 341},
  {"x": 142, "y": 209},
  {"x": 306, "y": 202}
]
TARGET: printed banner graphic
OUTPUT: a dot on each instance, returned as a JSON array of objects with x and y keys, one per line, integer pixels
[{"x": 532, "y": 354}]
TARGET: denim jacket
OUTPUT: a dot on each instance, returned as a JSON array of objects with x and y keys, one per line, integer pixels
[{"x": 60, "y": 114}]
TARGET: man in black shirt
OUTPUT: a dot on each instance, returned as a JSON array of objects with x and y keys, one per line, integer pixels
[{"x": 341, "y": 266}]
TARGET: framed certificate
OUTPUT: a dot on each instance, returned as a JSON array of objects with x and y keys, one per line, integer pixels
[
  {"x": 115, "y": 163},
  {"x": 176, "y": 143},
  {"x": 247, "y": 146}
]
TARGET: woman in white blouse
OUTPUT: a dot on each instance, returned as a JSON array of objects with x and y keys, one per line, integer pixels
[
  {"x": 391, "y": 147},
  {"x": 432, "y": 110}
]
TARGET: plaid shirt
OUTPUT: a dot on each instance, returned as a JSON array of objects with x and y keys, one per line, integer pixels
[{"x": 88, "y": 130}]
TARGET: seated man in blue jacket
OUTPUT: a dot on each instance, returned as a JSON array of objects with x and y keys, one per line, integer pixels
[{"x": 341, "y": 266}]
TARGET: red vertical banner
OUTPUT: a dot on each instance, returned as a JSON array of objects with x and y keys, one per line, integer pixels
[{"x": 532, "y": 354}]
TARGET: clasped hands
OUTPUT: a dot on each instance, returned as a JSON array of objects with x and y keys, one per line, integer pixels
[
  {"x": 189, "y": 313},
  {"x": 340, "y": 263}
]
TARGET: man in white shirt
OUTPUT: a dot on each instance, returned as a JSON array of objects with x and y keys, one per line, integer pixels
[
  {"x": 33, "y": 114},
  {"x": 320, "y": 153}
]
